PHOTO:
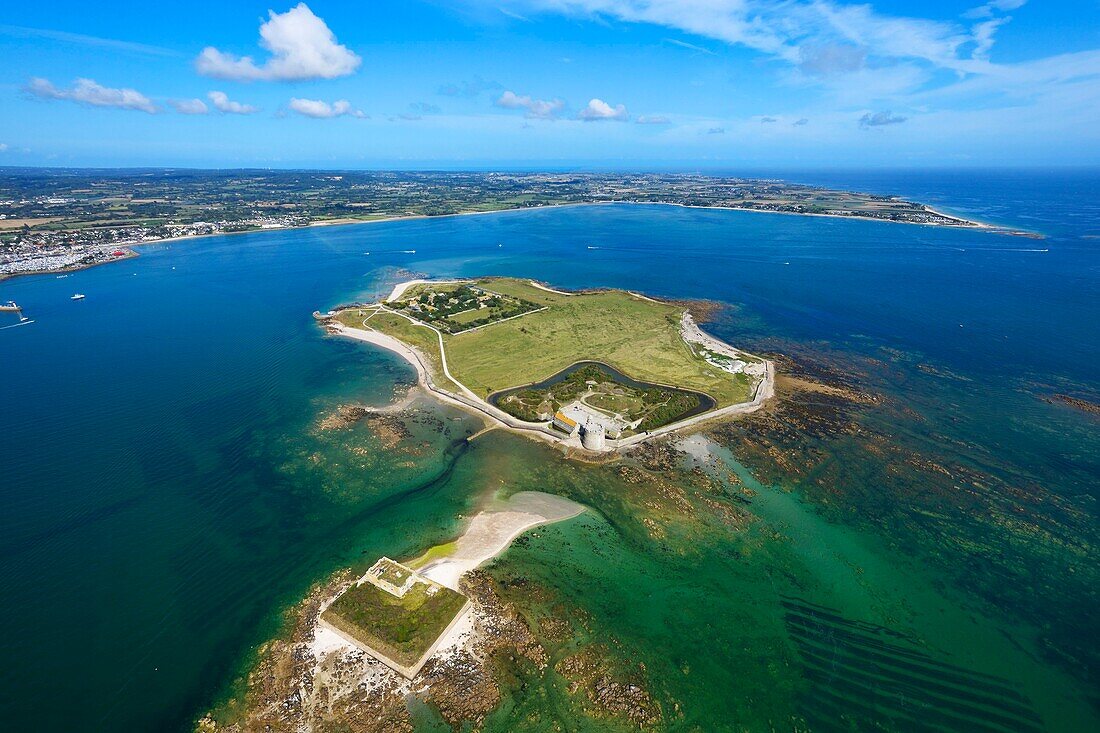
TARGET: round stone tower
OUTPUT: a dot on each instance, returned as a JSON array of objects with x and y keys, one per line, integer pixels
[{"x": 592, "y": 437}]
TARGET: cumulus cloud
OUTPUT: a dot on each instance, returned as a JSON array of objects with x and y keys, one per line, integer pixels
[
  {"x": 881, "y": 119},
  {"x": 469, "y": 89},
  {"x": 87, "y": 91},
  {"x": 323, "y": 110},
  {"x": 189, "y": 106},
  {"x": 3, "y": 147},
  {"x": 716, "y": 131},
  {"x": 765, "y": 120},
  {"x": 225, "y": 105},
  {"x": 425, "y": 108},
  {"x": 538, "y": 109},
  {"x": 652, "y": 120},
  {"x": 301, "y": 47},
  {"x": 800, "y": 122},
  {"x": 597, "y": 110}
]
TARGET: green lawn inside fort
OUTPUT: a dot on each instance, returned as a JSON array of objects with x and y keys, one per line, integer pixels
[
  {"x": 403, "y": 629},
  {"x": 638, "y": 336}
]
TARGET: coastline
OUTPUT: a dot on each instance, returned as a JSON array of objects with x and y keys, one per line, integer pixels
[
  {"x": 132, "y": 247},
  {"x": 420, "y": 362}
]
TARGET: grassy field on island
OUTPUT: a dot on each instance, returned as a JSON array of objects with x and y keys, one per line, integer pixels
[
  {"x": 401, "y": 628},
  {"x": 639, "y": 337}
]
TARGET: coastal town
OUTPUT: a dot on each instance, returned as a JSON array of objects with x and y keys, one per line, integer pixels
[
  {"x": 60, "y": 220},
  {"x": 33, "y": 250}
]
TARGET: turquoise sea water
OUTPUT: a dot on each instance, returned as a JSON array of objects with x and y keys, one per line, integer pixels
[{"x": 160, "y": 499}]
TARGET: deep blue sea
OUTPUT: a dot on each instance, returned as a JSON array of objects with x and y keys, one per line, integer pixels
[{"x": 154, "y": 516}]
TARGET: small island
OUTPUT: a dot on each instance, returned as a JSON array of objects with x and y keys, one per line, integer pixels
[{"x": 597, "y": 370}]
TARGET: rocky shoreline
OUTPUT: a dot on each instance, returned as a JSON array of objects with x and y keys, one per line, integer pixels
[{"x": 304, "y": 682}]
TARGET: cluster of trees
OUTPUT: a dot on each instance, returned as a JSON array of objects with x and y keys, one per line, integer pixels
[
  {"x": 524, "y": 405},
  {"x": 492, "y": 315},
  {"x": 677, "y": 404},
  {"x": 465, "y": 298}
]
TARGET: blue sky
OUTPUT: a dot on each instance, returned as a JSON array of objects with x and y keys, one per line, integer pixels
[{"x": 682, "y": 84}]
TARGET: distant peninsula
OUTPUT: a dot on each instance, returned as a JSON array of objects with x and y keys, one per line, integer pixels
[
  {"x": 596, "y": 370},
  {"x": 56, "y": 220}
]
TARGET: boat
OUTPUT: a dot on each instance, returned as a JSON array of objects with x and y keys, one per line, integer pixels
[
  {"x": 11, "y": 305},
  {"x": 77, "y": 296}
]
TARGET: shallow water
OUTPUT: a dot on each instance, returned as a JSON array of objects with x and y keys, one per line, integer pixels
[{"x": 166, "y": 495}]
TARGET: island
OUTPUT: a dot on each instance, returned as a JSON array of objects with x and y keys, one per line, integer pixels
[{"x": 595, "y": 370}]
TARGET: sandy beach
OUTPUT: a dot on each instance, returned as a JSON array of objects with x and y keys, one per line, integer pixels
[{"x": 491, "y": 532}]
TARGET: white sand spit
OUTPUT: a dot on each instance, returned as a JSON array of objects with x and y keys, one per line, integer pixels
[{"x": 491, "y": 531}]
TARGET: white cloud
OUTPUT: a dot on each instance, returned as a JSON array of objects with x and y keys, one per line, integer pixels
[
  {"x": 652, "y": 120},
  {"x": 831, "y": 58},
  {"x": 783, "y": 28},
  {"x": 82, "y": 40},
  {"x": 301, "y": 47},
  {"x": 689, "y": 46},
  {"x": 225, "y": 105},
  {"x": 469, "y": 89},
  {"x": 881, "y": 119},
  {"x": 322, "y": 110},
  {"x": 859, "y": 57},
  {"x": 87, "y": 91},
  {"x": 539, "y": 109},
  {"x": 985, "y": 11},
  {"x": 983, "y": 36},
  {"x": 189, "y": 106},
  {"x": 598, "y": 109},
  {"x": 3, "y": 147}
]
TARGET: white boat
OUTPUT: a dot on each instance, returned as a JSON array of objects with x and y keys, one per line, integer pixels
[{"x": 78, "y": 296}]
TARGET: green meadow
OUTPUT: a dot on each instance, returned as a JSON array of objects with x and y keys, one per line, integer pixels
[{"x": 638, "y": 336}]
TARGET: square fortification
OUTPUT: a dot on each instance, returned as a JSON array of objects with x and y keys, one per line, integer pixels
[{"x": 396, "y": 615}]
